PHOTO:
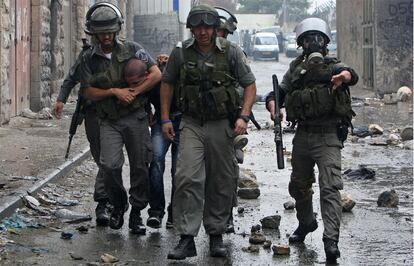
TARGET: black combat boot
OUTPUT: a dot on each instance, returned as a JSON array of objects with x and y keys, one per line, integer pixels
[
  {"x": 102, "y": 213},
  {"x": 185, "y": 248},
  {"x": 135, "y": 222},
  {"x": 331, "y": 250},
  {"x": 116, "y": 221},
  {"x": 301, "y": 232},
  {"x": 217, "y": 248}
]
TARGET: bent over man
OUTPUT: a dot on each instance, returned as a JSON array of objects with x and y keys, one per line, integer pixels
[
  {"x": 316, "y": 96},
  {"x": 203, "y": 71},
  {"x": 120, "y": 108}
]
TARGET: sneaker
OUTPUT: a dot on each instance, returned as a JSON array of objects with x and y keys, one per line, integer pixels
[{"x": 154, "y": 222}]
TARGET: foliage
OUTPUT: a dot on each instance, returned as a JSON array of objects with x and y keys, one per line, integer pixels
[{"x": 229, "y": 5}]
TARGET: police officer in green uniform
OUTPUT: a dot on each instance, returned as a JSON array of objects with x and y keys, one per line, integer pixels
[
  {"x": 92, "y": 134},
  {"x": 316, "y": 96},
  {"x": 122, "y": 117},
  {"x": 203, "y": 71}
]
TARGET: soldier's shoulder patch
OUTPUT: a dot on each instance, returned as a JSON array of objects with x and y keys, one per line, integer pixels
[{"x": 142, "y": 55}]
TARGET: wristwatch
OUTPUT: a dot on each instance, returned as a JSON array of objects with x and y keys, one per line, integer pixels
[{"x": 245, "y": 118}]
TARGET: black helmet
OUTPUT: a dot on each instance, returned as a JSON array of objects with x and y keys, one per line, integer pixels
[
  {"x": 203, "y": 14},
  {"x": 227, "y": 20},
  {"x": 103, "y": 17}
]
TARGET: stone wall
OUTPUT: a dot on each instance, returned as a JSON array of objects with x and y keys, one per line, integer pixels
[
  {"x": 394, "y": 45},
  {"x": 5, "y": 42},
  {"x": 157, "y": 33}
]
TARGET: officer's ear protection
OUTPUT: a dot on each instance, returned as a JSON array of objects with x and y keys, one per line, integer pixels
[{"x": 96, "y": 6}]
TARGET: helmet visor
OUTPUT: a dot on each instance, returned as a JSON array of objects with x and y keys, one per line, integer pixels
[
  {"x": 315, "y": 38},
  {"x": 202, "y": 18}
]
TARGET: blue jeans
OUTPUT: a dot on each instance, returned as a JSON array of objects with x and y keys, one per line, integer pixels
[{"x": 160, "y": 148}]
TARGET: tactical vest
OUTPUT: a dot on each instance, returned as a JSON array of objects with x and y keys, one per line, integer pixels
[
  {"x": 113, "y": 77},
  {"x": 207, "y": 92},
  {"x": 311, "y": 96}
]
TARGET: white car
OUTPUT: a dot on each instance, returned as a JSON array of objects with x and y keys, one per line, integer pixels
[{"x": 265, "y": 45}]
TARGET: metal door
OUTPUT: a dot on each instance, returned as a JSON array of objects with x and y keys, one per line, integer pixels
[{"x": 368, "y": 44}]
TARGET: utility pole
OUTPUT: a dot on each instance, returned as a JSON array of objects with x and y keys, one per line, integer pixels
[{"x": 284, "y": 14}]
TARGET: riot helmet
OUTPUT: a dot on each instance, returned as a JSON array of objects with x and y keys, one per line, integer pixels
[
  {"x": 103, "y": 18},
  {"x": 203, "y": 15},
  {"x": 313, "y": 34},
  {"x": 227, "y": 20}
]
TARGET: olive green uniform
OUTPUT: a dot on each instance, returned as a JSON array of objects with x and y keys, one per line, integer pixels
[
  {"x": 319, "y": 111},
  {"x": 206, "y": 166},
  {"x": 120, "y": 125}
]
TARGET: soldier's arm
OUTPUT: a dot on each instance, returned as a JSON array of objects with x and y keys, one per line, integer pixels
[
  {"x": 342, "y": 74},
  {"x": 153, "y": 78}
]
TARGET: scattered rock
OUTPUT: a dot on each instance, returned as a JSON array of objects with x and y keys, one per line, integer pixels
[
  {"x": 75, "y": 256},
  {"x": 257, "y": 238},
  {"x": 390, "y": 98},
  {"x": 247, "y": 183},
  {"x": 356, "y": 154},
  {"x": 108, "y": 258},
  {"x": 408, "y": 145},
  {"x": 281, "y": 249},
  {"x": 246, "y": 173},
  {"x": 393, "y": 139},
  {"x": 375, "y": 129},
  {"x": 30, "y": 202},
  {"x": 406, "y": 133},
  {"x": 289, "y": 205},
  {"x": 388, "y": 199},
  {"x": 255, "y": 228},
  {"x": 271, "y": 222},
  {"x": 346, "y": 201},
  {"x": 251, "y": 249},
  {"x": 248, "y": 193},
  {"x": 66, "y": 235},
  {"x": 404, "y": 94},
  {"x": 240, "y": 210},
  {"x": 82, "y": 229},
  {"x": 267, "y": 244},
  {"x": 45, "y": 113},
  {"x": 353, "y": 139},
  {"x": 379, "y": 142},
  {"x": 361, "y": 132}
]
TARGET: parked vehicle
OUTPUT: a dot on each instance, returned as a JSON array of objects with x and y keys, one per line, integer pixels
[
  {"x": 265, "y": 45},
  {"x": 278, "y": 31},
  {"x": 292, "y": 49}
]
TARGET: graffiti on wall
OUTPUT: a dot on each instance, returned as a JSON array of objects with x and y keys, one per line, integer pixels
[
  {"x": 158, "y": 34},
  {"x": 400, "y": 14}
]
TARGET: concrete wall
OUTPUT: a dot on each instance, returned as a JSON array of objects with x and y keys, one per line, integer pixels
[
  {"x": 392, "y": 41},
  {"x": 255, "y": 21},
  {"x": 394, "y": 45},
  {"x": 158, "y": 34},
  {"x": 349, "y": 34}
]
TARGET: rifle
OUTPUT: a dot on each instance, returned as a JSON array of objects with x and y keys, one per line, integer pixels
[
  {"x": 254, "y": 121},
  {"x": 278, "y": 125},
  {"x": 77, "y": 119}
]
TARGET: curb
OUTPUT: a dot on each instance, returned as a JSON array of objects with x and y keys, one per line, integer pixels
[{"x": 7, "y": 208}]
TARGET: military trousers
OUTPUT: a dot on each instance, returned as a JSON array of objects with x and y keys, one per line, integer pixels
[
  {"x": 92, "y": 134},
  {"x": 205, "y": 176},
  {"x": 324, "y": 150},
  {"x": 132, "y": 132}
]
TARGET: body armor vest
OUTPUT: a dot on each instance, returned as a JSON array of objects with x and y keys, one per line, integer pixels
[
  {"x": 113, "y": 77},
  {"x": 311, "y": 96},
  {"x": 207, "y": 92}
]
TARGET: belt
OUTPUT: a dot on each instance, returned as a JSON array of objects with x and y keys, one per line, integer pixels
[{"x": 317, "y": 129}]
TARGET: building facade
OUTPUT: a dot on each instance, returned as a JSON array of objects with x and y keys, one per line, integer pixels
[{"x": 376, "y": 38}]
